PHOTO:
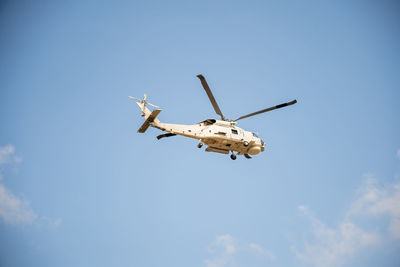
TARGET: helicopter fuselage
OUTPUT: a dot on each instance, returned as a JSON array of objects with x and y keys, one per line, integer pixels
[{"x": 220, "y": 136}]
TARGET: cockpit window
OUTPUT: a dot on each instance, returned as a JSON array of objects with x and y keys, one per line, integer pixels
[
  {"x": 255, "y": 135},
  {"x": 208, "y": 122},
  {"x": 234, "y": 131}
]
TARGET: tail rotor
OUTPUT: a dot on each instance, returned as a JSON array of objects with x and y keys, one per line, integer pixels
[{"x": 143, "y": 101}]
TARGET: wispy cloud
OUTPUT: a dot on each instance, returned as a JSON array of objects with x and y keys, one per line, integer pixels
[
  {"x": 52, "y": 223},
  {"x": 330, "y": 246},
  {"x": 376, "y": 200},
  {"x": 7, "y": 155},
  {"x": 225, "y": 249},
  {"x": 13, "y": 209},
  {"x": 260, "y": 251}
]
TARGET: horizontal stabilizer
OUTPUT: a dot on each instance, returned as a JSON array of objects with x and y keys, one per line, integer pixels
[
  {"x": 165, "y": 135},
  {"x": 149, "y": 120}
]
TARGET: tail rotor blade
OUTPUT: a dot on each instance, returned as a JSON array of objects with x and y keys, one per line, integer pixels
[
  {"x": 134, "y": 98},
  {"x": 152, "y": 105},
  {"x": 143, "y": 101}
]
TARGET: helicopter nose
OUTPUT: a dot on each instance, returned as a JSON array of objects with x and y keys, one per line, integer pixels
[{"x": 254, "y": 150}]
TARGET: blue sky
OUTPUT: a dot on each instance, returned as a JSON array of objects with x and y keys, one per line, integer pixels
[{"x": 80, "y": 187}]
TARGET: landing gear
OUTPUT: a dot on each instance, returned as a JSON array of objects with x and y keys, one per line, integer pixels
[
  {"x": 247, "y": 156},
  {"x": 233, "y": 156},
  {"x": 200, "y": 145}
]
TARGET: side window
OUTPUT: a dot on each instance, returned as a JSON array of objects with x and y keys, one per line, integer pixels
[{"x": 234, "y": 131}]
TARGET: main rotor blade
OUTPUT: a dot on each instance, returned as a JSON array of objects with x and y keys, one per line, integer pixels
[
  {"x": 267, "y": 109},
  {"x": 210, "y": 96}
]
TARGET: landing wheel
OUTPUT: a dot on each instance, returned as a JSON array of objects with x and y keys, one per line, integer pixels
[
  {"x": 200, "y": 145},
  {"x": 245, "y": 143},
  {"x": 233, "y": 156},
  {"x": 247, "y": 156}
]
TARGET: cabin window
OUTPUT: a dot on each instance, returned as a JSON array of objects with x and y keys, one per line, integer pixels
[{"x": 234, "y": 131}]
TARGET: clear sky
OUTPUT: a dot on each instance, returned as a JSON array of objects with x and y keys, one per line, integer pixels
[{"x": 80, "y": 187}]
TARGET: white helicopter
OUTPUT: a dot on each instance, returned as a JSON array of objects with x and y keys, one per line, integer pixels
[{"x": 221, "y": 136}]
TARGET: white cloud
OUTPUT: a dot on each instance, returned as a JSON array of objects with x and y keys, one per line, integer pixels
[
  {"x": 227, "y": 242},
  {"x": 7, "y": 155},
  {"x": 225, "y": 249},
  {"x": 260, "y": 251},
  {"x": 52, "y": 223},
  {"x": 375, "y": 200},
  {"x": 330, "y": 246},
  {"x": 13, "y": 210}
]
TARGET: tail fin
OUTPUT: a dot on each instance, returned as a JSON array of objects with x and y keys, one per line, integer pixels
[
  {"x": 150, "y": 116},
  {"x": 149, "y": 119},
  {"x": 145, "y": 111}
]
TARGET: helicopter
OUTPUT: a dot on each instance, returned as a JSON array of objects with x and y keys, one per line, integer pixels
[{"x": 220, "y": 136}]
